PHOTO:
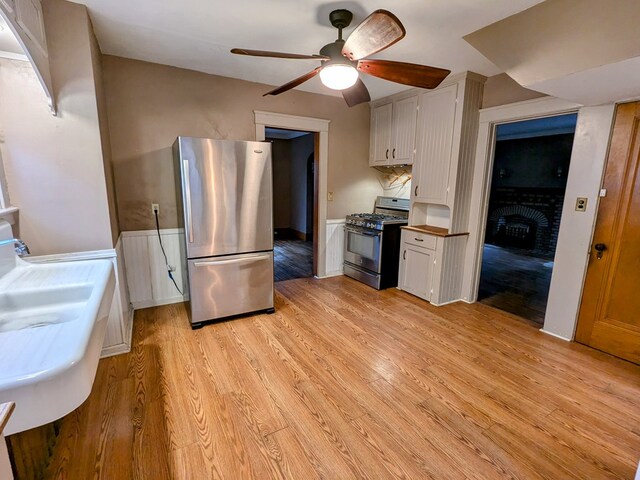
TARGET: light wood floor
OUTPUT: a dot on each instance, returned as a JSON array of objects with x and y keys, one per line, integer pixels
[{"x": 348, "y": 382}]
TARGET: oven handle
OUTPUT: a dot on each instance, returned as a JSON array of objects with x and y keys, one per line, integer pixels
[{"x": 362, "y": 232}]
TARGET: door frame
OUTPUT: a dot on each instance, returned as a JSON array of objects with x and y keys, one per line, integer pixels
[
  {"x": 320, "y": 127},
  {"x": 588, "y": 158}
]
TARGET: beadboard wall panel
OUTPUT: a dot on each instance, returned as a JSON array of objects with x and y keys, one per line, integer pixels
[
  {"x": 452, "y": 269},
  {"x": 335, "y": 247},
  {"x": 467, "y": 155},
  {"x": 147, "y": 277}
]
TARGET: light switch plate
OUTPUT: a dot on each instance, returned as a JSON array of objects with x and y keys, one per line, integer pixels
[{"x": 330, "y": 196}]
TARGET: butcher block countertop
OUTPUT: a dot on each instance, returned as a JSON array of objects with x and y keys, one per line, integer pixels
[{"x": 431, "y": 230}]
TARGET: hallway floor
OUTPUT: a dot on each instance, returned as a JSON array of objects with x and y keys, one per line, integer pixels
[
  {"x": 292, "y": 259},
  {"x": 515, "y": 282}
]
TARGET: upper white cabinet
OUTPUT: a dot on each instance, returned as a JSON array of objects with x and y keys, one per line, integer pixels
[
  {"x": 26, "y": 20},
  {"x": 436, "y": 123},
  {"x": 9, "y": 5},
  {"x": 381, "y": 118},
  {"x": 393, "y": 132},
  {"x": 445, "y": 152},
  {"x": 29, "y": 18}
]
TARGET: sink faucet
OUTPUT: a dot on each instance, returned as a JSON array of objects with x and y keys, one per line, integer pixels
[{"x": 20, "y": 247}]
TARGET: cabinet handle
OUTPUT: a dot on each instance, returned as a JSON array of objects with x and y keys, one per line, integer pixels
[
  {"x": 415, "y": 191},
  {"x": 393, "y": 154},
  {"x": 386, "y": 154},
  {"x": 404, "y": 255},
  {"x": 419, "y": 239}
]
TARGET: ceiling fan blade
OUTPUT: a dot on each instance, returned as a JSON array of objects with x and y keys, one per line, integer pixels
[
  {"x": 264, "y": 53},
  {"x": 378, "y": 31},
  {"x": 404, "y": 73},
  {"x": 294, "y": 83},
  {"x": 356, "y": 94}
]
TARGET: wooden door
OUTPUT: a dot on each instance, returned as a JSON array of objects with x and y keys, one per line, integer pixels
[
  {"x": 405, "y": 116},
  {"x": 381, "y": 139},
  {"x": 436, "y": 122},
  {"x": 609, "y": 318}
]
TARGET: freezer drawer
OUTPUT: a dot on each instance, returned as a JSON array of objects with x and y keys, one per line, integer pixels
[{"x": 230, "y": 285}]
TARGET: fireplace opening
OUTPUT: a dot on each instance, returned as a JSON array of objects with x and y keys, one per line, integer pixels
[{"x": 528, "y": 183}]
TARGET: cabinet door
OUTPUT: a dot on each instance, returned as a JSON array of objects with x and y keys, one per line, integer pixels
[
  {"x": 381, "y": 135},
  {"x": 415, "y": 271},
  {"x": 8, "y": 5},
  {"x": 436, "y": 121},
  {"x": 29, "y": 18},
  {"x": 405, "y": 116}
]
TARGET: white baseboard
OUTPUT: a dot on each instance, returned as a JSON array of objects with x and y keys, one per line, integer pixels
[
  {"x": 555, "y": 335},
  {"x": 158, "y": 302},
  {"x": 448, "y": 302},
  {"x": 336, "y": 273}
]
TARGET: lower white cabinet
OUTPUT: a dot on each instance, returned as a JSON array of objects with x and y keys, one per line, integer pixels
[
  {"x": 431, "y": 265},
  {"x": 415, "y": 271}
]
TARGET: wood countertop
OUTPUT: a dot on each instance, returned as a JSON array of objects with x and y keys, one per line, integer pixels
[
  {"x": 431, "y": 230},
  {"x": 6, "y": 409}
]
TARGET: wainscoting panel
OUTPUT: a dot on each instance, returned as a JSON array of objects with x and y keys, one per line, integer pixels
[
  {"x": 335, "y": 247},
  {"x": 136, "y": 255},
  {"x": 147, "y": 277}
]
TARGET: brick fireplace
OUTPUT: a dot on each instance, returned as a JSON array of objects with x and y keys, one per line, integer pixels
[{"x": 525, "y": 218}]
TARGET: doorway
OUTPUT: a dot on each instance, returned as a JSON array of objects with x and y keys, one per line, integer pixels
[
  {"x": 294, "y": 181},
  {"x": 527, "y": 190}
]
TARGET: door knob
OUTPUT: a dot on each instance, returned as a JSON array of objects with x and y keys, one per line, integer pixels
[{"x": 600, "y": 248}]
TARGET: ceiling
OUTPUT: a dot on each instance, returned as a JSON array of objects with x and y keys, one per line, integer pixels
[{"x": 198, "y": 34}]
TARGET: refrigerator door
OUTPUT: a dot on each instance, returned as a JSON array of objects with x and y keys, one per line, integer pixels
[
  {"x": 227, "y": 196},
  {"x": 230, "y": 285}
]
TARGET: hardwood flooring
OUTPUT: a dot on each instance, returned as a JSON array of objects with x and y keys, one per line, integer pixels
[
  {"x": 343, "y": 382},
  {"x": 292, "y": 259},
  {"x": 515, "y": 282}
]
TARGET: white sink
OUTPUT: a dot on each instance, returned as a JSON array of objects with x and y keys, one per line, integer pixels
[
  {"x": 53, "y": 319},
  {"x": 33, "y": 308}
]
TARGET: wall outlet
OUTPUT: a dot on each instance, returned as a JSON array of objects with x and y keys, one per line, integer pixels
[
  {"x": 581, "y": 204},
  {"x": 155, "y": 207}
]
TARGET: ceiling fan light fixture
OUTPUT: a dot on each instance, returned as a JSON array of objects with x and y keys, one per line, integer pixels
[{"x": 338, "y": 76}]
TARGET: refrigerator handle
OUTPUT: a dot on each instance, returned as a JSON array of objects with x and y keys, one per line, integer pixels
[
  {"x": 255, "y": 258},
  {"x": 187, "y": 192}
]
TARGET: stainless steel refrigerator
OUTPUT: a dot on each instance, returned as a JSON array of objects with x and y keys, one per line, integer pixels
[{"x": 226, "y": 210}]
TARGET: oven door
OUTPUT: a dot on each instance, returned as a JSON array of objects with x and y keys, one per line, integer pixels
[{"x": 362, "y": 248}]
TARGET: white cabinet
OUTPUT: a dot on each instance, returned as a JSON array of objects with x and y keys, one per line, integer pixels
[
  {"x": 26, "y": 20},
  {"x": 415, "y": 270},
  {"x": 393, "y": 132},
  {"x": 381, "y": 118},
  {"x": 9, "y": 5},
  {"x": 431, "y": 264},
  {"x": 29, "y": 17},
  {"x": 436, "y": 123},
  {"x": 445, "y": 152}
]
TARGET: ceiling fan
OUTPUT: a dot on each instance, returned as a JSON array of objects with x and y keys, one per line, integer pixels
[{"x": 342, "y": 60}]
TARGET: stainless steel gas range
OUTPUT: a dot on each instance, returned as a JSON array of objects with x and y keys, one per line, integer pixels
[{"x": 372, "y": 242}]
